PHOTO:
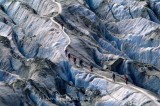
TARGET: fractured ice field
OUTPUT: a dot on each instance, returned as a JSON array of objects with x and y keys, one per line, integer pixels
[{"x": 48, "y": 49}]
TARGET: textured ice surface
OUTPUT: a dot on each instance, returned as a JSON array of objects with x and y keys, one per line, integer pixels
[{"x": 34, "y": 70}]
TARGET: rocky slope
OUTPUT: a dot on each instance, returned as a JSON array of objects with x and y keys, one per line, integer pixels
[{"x": 120, "y": 36}]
